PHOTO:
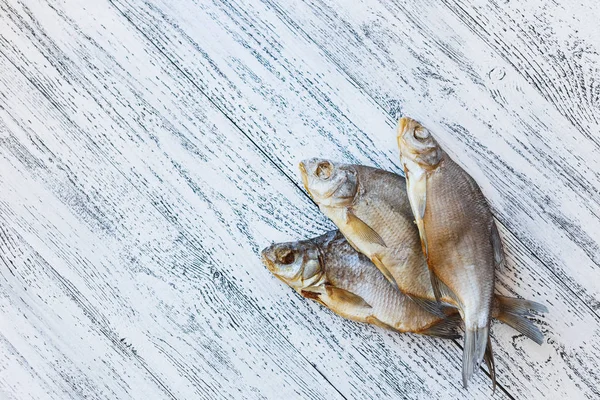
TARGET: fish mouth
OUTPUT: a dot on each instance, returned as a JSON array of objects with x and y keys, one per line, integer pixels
[
  {"x": 403, "y": 124},
  {"x": 267, "y": 261},
  {"x": 412, "y": 148},
  {"x": 304, "y": 175},
  {"x": 302, "y": 167}
]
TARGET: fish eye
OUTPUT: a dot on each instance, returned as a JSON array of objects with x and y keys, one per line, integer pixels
[
  {"x": 421, "y": 134},
  {"x": 324, "y": 170},
  {"x": 286, "y": 256}
]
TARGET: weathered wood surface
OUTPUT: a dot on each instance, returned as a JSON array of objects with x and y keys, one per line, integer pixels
[{"x": 148, "y": 151}]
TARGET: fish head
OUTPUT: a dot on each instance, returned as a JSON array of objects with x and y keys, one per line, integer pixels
[
  {"x": 416, "y": 143},
  {"x": 298, "y": 264},
  {"x": 328, "y": 183}
]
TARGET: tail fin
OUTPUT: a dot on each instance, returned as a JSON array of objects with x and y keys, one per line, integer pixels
[
  {"x": 476, "y": 340},
  {"x": 446, "y": 328},
  {"x": 441, "y": 310},
  {"x": 514, "y": 312},
  {"x": 489, "y": 360}
]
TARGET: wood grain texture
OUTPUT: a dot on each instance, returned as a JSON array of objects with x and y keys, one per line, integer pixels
[
  {"x": 152, "y": 206},
  {"x": 148, "y": 151},
  {"x": 539, "y": 172},
  {"x": 195, "y": 27},
  {"x": 555, "y": 46},
  {"x": 124, "y": 257}
]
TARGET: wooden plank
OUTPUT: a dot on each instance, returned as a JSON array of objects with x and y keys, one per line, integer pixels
[
  {"x": 538, "y": 171},
  {"x": 197, "y": 40},
  {"x": 128, "y": 272},
  {"x": 54, "y": 343},
  {"x": 258, "y": 82},
  {"x": 554, "y": 45},
  {"x": 567, "y": 364},
  {"x": 154, "y": 206}
]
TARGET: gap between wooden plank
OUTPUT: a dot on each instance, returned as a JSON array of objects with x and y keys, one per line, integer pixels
[
  {"x": 393, "y": 117},
  {"x": 294, "y": 182},
  {"x": 234, "y": 287},
  {"x": 178, "y": 28}
]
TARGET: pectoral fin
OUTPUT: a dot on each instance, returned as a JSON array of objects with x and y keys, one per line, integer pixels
[
  {"x": 310, "y": 295},
  {"x": 348, "y": 298},
  {"x": 363, "y": 231},
  {"x": 436, "y": 286},
  {"x": 433, "y": 307},
  {"x": 416, "y": 186},
  {"x": 417, "y": 190},
  {"x": 346, "y": 304},
  {"x": 441, "y": 290},
  {"x": 316, "y": 293},
  {"x": 375, "y": 260}
]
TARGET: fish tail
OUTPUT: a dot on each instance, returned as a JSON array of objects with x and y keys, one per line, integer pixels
[
  {"x": 446, "y": 328},
  {"x": 489, "y": 360},
  {"x": 476, "y": 341},
  {"x": 432, "y": 306},
  {"x": 514, "y": 312}
]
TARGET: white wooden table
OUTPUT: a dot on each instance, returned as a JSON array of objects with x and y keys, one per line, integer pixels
[{"x": 149, "y": 150}]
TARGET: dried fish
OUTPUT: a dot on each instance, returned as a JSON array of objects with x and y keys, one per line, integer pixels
[
  {"x": 327, "y": 269},
  {"x": 458, "y": 234},
  {"x": 372, "y": 210}
]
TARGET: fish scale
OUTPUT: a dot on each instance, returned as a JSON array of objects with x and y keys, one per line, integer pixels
[
  {"x": 371, "y": 208},
  {"x": 456, "y": 227},
  {"x": 454, "y": 215},
  {"x": 348, "y": 283}
]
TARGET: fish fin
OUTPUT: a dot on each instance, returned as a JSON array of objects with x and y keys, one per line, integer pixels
[
  {"x": 314, "y": 293},
  {"x": 363, "y": 231},
  {"x": 435, "y": 285},
  {"x": 377, "y": 261},
  {"x": 497, "y": 246},
  {"x": 377, "y": 322},
  {"x": 310, "y": 295},
  {"x": 417, "y": 193},
  {"x": 431, "y": 306},
  {"x": 443, "y": 290},
  {"x": 446, "y": 328},
  {"x": 519, "y": 306},
  {"x": 489, "y": 361},
  {"x": 514, "y": 312},
  {"x": 343, "y": 296},
  {"x": 523, "y": 325},
  {"x": 473, "y": 351}
]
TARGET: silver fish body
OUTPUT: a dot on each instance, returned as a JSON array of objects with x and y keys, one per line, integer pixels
[
  {"x": 458, "y": 233},
  {"x": 374, "y": 214},
  {"x": 372, "y": 209},
  {"x": 327, "y": 269}
]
